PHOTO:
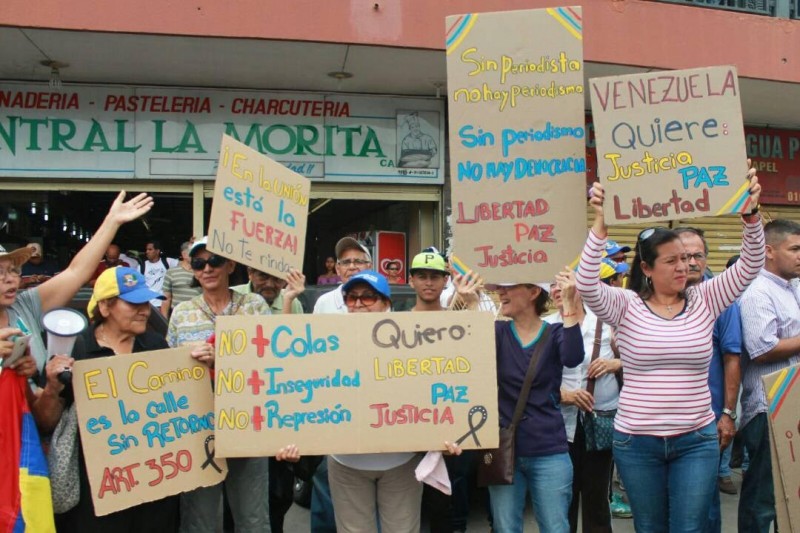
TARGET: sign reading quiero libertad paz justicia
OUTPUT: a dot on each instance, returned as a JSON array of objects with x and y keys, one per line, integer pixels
[{"x": 360, "y": 383}]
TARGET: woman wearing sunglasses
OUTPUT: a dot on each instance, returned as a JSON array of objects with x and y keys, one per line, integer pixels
[
  {"x": 665, "y": 439},
  {"x": 192, "y": 323}
]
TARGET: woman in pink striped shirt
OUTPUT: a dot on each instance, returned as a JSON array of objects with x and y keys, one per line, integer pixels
[{"x": 665, "y": 440}]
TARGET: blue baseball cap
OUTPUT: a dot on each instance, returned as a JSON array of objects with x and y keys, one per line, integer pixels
[
  {"x": 618, "y": 268},
  {"x": 613, "y": 248},
  {"x": 122, "y": 282},
  {"x": 371, "y": 278}
]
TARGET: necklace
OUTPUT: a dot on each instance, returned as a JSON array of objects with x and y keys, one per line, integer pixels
[{"x": 667, "y": 306}]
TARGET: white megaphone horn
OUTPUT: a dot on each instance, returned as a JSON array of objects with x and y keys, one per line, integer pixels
[{"x": 63, "y": 325}]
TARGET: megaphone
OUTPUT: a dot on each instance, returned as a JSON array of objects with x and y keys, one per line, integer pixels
[{"x": 63, "y": 325}]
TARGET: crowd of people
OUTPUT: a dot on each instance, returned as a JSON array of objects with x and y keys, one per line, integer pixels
[{"x": 636, "y": 365}]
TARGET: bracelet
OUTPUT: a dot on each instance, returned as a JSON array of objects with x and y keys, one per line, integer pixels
[
  {"x": 754, "y": 211},
  {"x": 567, "y": 315}
]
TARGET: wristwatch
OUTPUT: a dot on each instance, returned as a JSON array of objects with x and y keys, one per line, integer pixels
[{"x": 732, "y": 414}]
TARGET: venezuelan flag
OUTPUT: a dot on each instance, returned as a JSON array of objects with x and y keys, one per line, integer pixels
[{"x": 25, "y": 501}]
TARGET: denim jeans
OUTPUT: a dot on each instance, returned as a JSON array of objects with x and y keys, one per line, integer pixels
[
  {"x": 323, "y": 519},
  {"x": 548, "y": 478},
  {"x": 670, "y": 481},
  {"x": 757, "y": 500},
  {"x": 714, "y": 512},
  {"x": 247, "y": 488}
]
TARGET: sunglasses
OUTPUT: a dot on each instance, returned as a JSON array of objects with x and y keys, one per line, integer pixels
[
  {"x": 367, "y": 299},
  {"x": 646, "y": 234},
  {"x": 214, "y": 261}
]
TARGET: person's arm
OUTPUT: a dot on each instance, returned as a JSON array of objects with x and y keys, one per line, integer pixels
[
  {"x": 295, "y": 286},
  {"x": 726, "y": 427},
  {"x": 608, "y": 303},
  {"x": 783, "y": 350},
  {"x": 48, "y": 404},
  {"x": 467, "y": 289},
  {"x": 720, "y": 291},
  {"x": 760, "y": 328},
  {"x": 166, "y": 304},
  {"x": 579, "y": 397},
  {"x": 59, "y": 290}
]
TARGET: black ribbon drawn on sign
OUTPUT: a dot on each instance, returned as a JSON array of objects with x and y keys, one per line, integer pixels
[
  {"x": 210, "y": 455},
  {"x": 473, "y": 428}
]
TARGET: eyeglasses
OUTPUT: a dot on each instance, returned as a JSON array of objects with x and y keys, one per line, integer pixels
[
  {"x": 14, "y": 272},
  {"x": 352, "y": 262},
  {"x": 699, "y": 256},
  {"x": 214, "y": 261},
  {"x": 367, "y": 299}
]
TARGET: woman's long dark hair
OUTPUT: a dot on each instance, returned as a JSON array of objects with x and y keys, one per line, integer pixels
[{"x": 647, "y": 251}]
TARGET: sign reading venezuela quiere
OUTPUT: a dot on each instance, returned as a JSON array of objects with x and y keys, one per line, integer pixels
[
  {"x": 517, "y": 146},
  {"x": 670, "y": 145},
  {"x": 260, "y": 211},
  {"x": 146, "y": 422},
  {"x": 361, "y": 383}
]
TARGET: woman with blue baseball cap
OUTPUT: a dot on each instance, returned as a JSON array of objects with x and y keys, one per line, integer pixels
[
  {"x": 118, "y": 311},
  {"x": 375, "y": 486}
]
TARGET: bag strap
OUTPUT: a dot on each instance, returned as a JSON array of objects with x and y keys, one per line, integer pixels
[
  {"x": 598, "y": 333},
  {"x": 526, "y": 385}
]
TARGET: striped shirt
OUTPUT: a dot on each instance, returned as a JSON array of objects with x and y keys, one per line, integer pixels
[
  {"x": 178, "y": 284},
  {"x": 666, "y": 361},
  {"x": 770, "y": 312}
]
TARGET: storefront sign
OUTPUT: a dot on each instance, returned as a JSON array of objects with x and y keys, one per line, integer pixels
[
  {"x": 166, "y": 133},
  {"x": 147, "y": 426},
  {"x": 260, "y": 211},
  {"x": 670, "y": 145},
  {"x": 515, "y": 84},
  {"x": 360, "y": 383}
]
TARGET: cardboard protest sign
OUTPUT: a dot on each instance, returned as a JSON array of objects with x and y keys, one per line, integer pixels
[
  {"x": 782, "y": 390},
  {"x": 670, "y": 145},
  {"x": 517, "y": 141},
  {"x": 360, "y": 383},
  {"x": 260, "y": 211},
  {"x": 146, "y": 422}
]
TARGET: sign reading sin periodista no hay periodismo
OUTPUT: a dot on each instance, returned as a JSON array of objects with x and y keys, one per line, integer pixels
[
  {"x": 517, "y": 141},
  {"x": 360, "y": 383}
]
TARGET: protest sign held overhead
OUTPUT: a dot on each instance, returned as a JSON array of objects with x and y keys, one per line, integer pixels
[
  {"x": 146, "y": 422},
  {"x": 361, "y": 383},
  {"x": 670, "y": 145},
  {"x": 260, "y": 211},
  {"x": 517, "y": 141}
]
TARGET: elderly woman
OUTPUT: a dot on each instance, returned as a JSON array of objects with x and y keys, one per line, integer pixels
[
  {"x": 586, "y": 390},
  {"x": 543, "y": 467},
  {"x": 192, "y": 324},
  {"x": 26, "y": 308},
  {"x": 665, "y": 439},
  {"x": 118, "y": 310}
]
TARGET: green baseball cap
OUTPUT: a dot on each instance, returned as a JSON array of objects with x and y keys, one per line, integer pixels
[{"x": 428, "y": 261}]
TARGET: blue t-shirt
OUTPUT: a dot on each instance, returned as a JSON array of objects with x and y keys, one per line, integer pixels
[{"x": 727, "y": 339}]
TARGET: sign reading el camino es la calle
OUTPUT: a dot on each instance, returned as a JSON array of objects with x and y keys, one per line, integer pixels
[{"x": 122, "y": 132}]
